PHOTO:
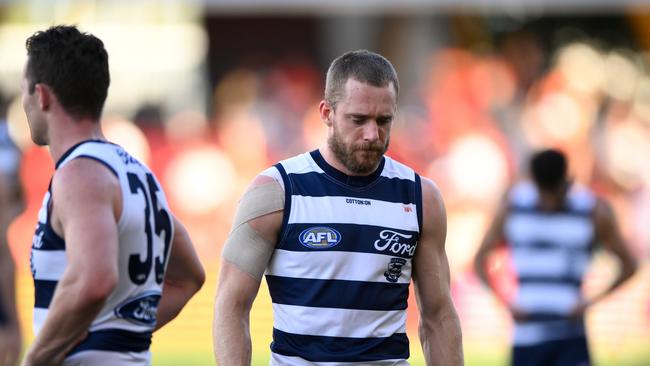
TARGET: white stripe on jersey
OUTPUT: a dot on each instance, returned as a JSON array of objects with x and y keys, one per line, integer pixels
[
  {"x": 335, "y": 210},
  {"x": 50, "y": 263},
  {"x": 331, "y": 265},
  {"x": 570, "y": 230},
  {"x": 39, "y": 316},
  {"x": 302, "y": 163},
  {"x": 550, "y": 263},
  {"x": 394, "y": 169},
  {"x": 550, "y": 297},
  {"x": 281, "y": 360},
  {"x": 333, "y": 322}
]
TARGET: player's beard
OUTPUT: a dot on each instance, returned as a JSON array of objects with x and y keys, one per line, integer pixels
[{"x": 359, "y": 159}]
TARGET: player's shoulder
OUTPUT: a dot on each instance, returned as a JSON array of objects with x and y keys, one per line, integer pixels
[
  {"x": 84, "y": 172},
  {"x": 432, "y": 199}
]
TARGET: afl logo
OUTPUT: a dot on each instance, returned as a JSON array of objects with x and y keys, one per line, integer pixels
[{"x": 319, "y": 237}]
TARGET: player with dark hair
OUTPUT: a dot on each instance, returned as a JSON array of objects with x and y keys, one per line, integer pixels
[
  {"x": 552, "y": 227},
  {"x": 110, "y": 263},
  {"x": 339, "y": 232}
]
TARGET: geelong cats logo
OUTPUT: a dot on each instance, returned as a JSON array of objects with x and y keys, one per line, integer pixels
[{"x": 394, "y": 269}]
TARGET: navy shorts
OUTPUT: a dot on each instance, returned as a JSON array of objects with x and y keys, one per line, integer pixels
[{"x": 565, "y": 352}]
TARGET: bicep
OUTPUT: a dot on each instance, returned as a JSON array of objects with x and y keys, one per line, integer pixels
[
  {"x": 84, "y": 198},
  {"x": 431, "y": 267},
  {"x": 609, "y": 233}
]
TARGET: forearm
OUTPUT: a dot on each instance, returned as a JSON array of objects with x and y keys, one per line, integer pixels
[
  {"x": 175, "y": 296},
  {"x": 441, "y": 339},
  {"x": 69, "y": 318},
  {"x": 626, "y": 272},
  {"x": 232, "y": 341}
]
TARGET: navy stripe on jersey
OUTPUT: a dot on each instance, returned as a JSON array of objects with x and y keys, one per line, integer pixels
[
  {"x": 543, "y": 245},
  {"x": 316, "y": 184},
  {"x": 43, "y": 293},
  {"x": 116, "y": 340},
  {"x": 564, "y": 280},
  {"x": 287, "y": 201},
  {"x": 357, "y": 295},
  {"x": 539, "y": 317},
  {"x": 340, "y": 349},
  {"x": 50, "y": 240},
  {"x": 418, "y": 200},
  {"x": 534, "y": 210},
  {"x": 362, "y": 239}
]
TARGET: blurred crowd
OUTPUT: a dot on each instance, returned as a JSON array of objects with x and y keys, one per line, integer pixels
[{"x": 470, "y": 124}]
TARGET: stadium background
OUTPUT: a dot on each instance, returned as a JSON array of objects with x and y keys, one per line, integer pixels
[{"x": 211, "y": 92}]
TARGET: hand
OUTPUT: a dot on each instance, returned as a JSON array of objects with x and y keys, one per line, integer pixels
[
  {"x": 517, "y": 314},
  {"x": 10, "y": 344},
  {"x": 579, "y": 310}
]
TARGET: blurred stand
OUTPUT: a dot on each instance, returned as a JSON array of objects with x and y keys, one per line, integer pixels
[{"x": 211, "y": 93}]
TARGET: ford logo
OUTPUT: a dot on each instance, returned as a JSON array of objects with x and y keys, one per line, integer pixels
[{"x": 319, "y": 237}]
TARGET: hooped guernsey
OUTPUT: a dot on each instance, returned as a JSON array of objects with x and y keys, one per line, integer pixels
[
  {"x": 551, "y": 251},
  {"x": 145, "y": 230},
  {"x": 339, "y": 275}
]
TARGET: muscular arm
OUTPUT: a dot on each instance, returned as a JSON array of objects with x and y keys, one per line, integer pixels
[
  {"x": 492, "y": 239},
  {"x": 609, "y": 234},
  {"x": 439, "y": 329},
  {"x": 183, "y": 278},
  {"x": 238, "y": 284},
  {"x": 86, "y": 204}
]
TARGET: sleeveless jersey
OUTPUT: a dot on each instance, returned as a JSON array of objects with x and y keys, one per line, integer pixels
[
  {"x": 340, "y": 273},
  {"x": 145, "y": 230},
  {"x": 551, "y": 251}
]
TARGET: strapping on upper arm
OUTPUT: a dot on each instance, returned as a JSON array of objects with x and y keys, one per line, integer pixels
[{"x": 245, "y": 247}]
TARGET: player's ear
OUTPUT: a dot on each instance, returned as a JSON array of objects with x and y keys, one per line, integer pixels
[
  {"x": 326, "y": 113},
  {"x": 44, "y": 95}
]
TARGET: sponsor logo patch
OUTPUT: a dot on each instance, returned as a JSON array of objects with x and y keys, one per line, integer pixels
[
  {"x": 392, "y": 241},
  {"x": 140, "y": 310},
  {"x": 394, "y": 269},
  {"x": 319, "y": 237}
]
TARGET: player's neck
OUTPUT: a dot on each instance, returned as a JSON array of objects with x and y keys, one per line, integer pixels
[
  {"x": 550, "y": 201},
  {"x": 69, "y": 132}
]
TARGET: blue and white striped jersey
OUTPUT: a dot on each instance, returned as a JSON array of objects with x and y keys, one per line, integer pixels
[
  {"x": 340, "y": 273},
  {"x": 551, "y": 252},
  {"x": 145, "y": 231}
]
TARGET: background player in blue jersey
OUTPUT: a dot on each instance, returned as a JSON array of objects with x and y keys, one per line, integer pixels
[
  {"x": 339, "y": 231},
  {"x": 106, "y": 246},
  {"x": 551, "y": 227},
  {"x": 11, "y": 203}
]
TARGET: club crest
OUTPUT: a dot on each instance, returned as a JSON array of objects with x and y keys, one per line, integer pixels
[{"x": 394, "y": 269}]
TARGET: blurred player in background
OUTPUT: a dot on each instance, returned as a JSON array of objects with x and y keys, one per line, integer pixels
[
  {"x": 110, "y": 263},
  {"x": 339, "y": 231},
  {"x": 11, "y": 203},
  {"x": 552, "y": 227}
]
